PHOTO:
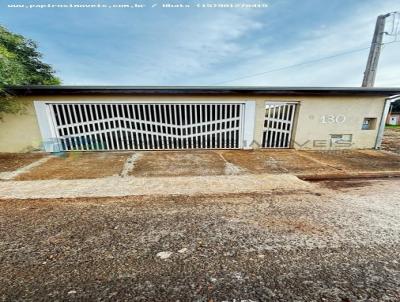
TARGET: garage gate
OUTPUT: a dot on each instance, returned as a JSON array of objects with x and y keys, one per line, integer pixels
[{"x": 131, "y": 126}]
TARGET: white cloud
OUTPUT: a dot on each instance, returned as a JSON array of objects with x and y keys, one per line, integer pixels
[
  {"x": 163, "y": 52},
  {"x": 352, "y": 33},
  {"x": 196, "y": 44},
  {"x": 210, "y": 47}
]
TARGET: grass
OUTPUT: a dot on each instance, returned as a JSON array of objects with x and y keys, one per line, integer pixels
[{"x": 392, "y": 126}]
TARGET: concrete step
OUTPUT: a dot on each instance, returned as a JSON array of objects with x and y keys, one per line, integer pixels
[{"x": 118, "y": 186}]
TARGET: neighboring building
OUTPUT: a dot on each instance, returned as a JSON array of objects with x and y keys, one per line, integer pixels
[
  {"x": 67, "y": 118},
  {"x": 393, "y": 118}
]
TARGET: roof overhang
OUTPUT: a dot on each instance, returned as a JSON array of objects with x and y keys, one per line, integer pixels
[{"x": 199, "y": 90}]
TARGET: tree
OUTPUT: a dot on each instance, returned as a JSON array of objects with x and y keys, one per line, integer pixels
[
  {"x": 396, "y": 106},
  {"x": 20, "y": 64}
]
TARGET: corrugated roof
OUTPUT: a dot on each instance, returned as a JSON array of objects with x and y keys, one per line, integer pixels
[{"x": 198, "y": 90}]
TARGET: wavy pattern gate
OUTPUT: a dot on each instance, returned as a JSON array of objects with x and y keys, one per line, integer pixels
[{"x": 130, "y": 126}]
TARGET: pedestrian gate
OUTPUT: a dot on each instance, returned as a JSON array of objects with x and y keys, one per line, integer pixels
[
  {"x": 132, "y": 126},
  {"x": 278, "y": 124}
]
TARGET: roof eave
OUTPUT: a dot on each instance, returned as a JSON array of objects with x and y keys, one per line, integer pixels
[{"x": 198, "y": 90}]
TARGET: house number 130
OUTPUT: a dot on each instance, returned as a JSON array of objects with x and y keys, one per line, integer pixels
[{"x": 333, "y": 119}]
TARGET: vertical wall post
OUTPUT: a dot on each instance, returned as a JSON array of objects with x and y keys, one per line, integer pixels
[
  {"x": 49, "y": 139},
  {"x": 249, "y": 122}
]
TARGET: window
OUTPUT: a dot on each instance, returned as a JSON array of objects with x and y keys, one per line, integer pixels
[{"x": 369, "y": 123}]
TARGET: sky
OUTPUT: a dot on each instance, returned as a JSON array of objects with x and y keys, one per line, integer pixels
[{"x": 209, "y": 46}]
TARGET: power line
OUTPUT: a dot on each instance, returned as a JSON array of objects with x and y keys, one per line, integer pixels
[
  {"x": 299, "y": 64},
  {"x": 291, "y": 66}
]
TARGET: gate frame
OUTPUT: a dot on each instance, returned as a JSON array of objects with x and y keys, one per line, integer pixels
[{"x": 51, "y": 142}]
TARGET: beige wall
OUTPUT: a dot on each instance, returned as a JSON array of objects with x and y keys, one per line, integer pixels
[
  {"x": 354, "y": 111},
  {"x": 20, "y": 133},
  {"x": 310, "y": 131}
]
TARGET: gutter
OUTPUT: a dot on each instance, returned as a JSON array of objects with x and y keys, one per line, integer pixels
[{"x": 386, "y": 107}]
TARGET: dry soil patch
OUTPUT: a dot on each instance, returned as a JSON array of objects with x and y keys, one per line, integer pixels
[
  {"x": 78, "y": 166},
  {"x": 179, "y": 163},
  {"x": 274, "y": 161},
  {"x": 357, "y": 160},
  {"x": 391, "y": 140},
  {"x": 12, "y": 161}
]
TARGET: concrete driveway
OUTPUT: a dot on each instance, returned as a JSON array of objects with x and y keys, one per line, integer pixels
[
  {"x": 304, "y": 164},
  {"x": 187, "y": 172}
]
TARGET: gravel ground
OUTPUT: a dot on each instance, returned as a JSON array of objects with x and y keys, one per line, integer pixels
[{"x": 339, "y": 241}]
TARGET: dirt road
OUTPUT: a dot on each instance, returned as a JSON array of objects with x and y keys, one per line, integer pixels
[{"x": 337, "y": 242}]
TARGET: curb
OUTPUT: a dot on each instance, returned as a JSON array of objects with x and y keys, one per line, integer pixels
[{"x": 349, "y": 176}]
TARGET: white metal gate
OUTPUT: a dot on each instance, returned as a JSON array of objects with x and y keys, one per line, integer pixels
[
  {"x": 132, "y": 126},
  {"x": 278, "y": 124}
]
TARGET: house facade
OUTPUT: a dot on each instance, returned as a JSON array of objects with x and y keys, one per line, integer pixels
[
  {"x": 393, "y": 119},
  {"x": 76, "y": 118}
]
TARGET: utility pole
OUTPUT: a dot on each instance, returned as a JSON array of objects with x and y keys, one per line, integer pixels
[{"x": 375, "y": 51}]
